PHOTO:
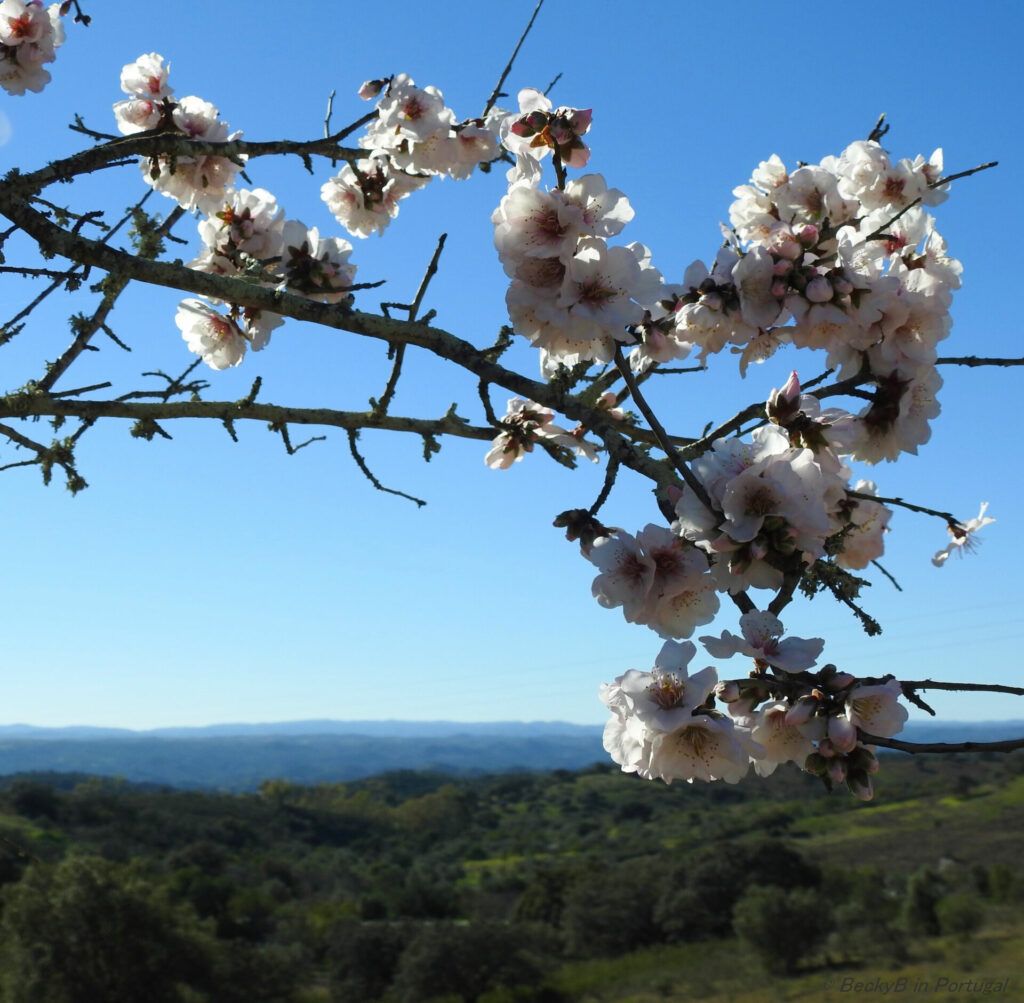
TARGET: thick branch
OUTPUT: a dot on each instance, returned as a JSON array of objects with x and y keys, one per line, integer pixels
[
  {"x": 339, "y": 317},
  {"x": 173, "y": 145}
]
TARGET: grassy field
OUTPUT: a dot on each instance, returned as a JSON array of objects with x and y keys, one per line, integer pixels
[{"x": 720, "y": 972}]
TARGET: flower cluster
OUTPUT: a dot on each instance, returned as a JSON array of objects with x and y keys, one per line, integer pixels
[
  {"x": 572, "y": 294},
  {"x": 525, "y": 424},
  {"x": 841, "y": 256},
  {"x": 657, "y": 578},
  {"x": 414, "y": 138},
  {"x": 249, "y": 236},
  {"x": 29, "y": 37},
  {"x": 665, "y": 724},
  {"x": 198, "y": 182},
  {"x": 244, "y": 232}
]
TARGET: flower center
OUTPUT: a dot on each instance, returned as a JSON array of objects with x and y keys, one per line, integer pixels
[{"x": 667, "y": 690}]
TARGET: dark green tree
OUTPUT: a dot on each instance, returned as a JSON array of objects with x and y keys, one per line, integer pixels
[
  {"x": 84, "y": 931},
  {"x": 781, "y": 926}
]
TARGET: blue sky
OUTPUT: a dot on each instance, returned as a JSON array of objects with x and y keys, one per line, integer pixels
[{"x": 200, "y": 580}]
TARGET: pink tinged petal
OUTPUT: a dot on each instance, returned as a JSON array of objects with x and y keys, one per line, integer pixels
[
  {"x": 700, "y": 684},
  {"x": 760, "y": 628},
  {"x": 675, "y": 656},
  {"x": 795, "y": 654},
  {"x": 725, "y": 646}
]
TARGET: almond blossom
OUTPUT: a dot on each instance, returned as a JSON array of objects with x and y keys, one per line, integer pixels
[
  {"x": 962, "y": 536},
  {"x": 760, "y": 641},
  {"x": 30, "y": 35}
]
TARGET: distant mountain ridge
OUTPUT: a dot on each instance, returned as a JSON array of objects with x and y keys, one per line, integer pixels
[
  {"x": 382, "y": 729},
  {"x": 239, "y": 757}
]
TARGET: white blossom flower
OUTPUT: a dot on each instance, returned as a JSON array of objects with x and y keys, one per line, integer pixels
[
  {"x": 29, "y": 37},
  {"x": 364, "y": 197},
  {"x": 876, "y": 709},
  {"x": 782, "y": 742},
  {"x": 525, "y": 422},
  {"x": 627, "y": 573},
  {"x": 863, "y": 540},
  {"x": 195, "y": 182},
  {"x": 962, "y": 536},
  {"x": 705, "y": 748},
  {"x": 315, "y": 266},
  {"x": 760, "y": 641},
  {"x": 147, "y": 77},
  {"x": 214, "y": 337}
]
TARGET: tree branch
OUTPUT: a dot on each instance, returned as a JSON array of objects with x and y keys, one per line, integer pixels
[{"x": 915, "y": 748}]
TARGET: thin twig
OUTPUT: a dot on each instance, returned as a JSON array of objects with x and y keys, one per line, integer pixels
[
  {"x": 496, "y": 93},
  {"x": 610, "y": 473},
  {"x": 975, "y": 360},
  {"x": 932, "y": 684},
  {"x": 946, "y": 517},
  {"x": 896, "y": 584},
  {"x": 964, "y": 174},
  {"x": 413, "y": 309},
  {"x": 880, "y": 233},
  {"x": 353, "y": 435},
  {"x": 914, "y": 748}
]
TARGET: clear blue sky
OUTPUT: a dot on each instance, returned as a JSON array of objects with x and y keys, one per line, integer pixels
[{"x": 199, "y": 581}]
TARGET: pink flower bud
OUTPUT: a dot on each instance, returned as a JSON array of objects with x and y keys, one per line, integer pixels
[
  {"x": 779, "y": 289},
  {"x": 782, "y": 267},
  {"x": 789, "y": 249},
  {"x": 790, "y": 391},
  {"x": 371, "y": 88},
  {"x": 839, "y": 681},
  {"x": 826, "y": 749},
  {"x": 843, "y": 734},
  {"x": 837, "y": 770},
  {"x": 801, "y": 712},
  {"x": 808, "y": 236},
  {"x": 819, "y": 290}
]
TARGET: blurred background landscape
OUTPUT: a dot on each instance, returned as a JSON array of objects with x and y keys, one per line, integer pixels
[{"x": 520, "y": 886}]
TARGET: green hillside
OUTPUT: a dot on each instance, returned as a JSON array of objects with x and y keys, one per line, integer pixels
[{"x": 512, "y": 888}]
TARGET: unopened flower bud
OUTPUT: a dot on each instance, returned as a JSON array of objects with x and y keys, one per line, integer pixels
[
  {"x": 819, "y": 290},
  {"x": 371, "y": 88},
  {"x": 826, "y": 749},
  {"x": 788, "y": 248},
  {"x": 843, "y": 734},
  {"x": 835, "y": 681},
  {"x": 860, "y": 785},
  {"x": 863, "y": 759},
  {"x": 808, "y": 235},
  {"x": 801, "y": 712},
  {"x": 782, "y": 267},
  {"x": 779, "y": 288},
  {"x": 837, "y": 770}
]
